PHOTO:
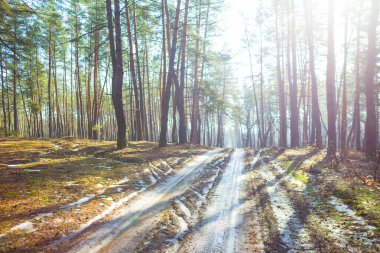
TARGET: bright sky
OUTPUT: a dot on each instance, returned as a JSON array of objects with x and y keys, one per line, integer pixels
[{"x": 232, "y": 39}]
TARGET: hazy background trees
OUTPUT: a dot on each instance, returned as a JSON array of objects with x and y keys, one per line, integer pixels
[{"x": 307, "y": 73}]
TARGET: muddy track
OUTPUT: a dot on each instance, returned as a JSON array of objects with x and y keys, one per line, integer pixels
[
  {"x": 130, "y": 223},
  {"x": 232, "y": 201},
  {"x": 217, "y": 230}
]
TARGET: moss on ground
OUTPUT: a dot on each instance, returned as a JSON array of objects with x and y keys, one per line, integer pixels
[
  {"x": 365, "y": 201},
  {"x": 302, "y": 176}
]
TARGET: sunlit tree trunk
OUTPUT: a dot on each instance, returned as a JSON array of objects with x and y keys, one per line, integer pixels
[
  {"x": 371, "y": 135},
  {"x": 49, "y": 89},
  {"x": 343, "y": 131},
  {"x": 294, "y": 113},
  {"x": 139, "y": 133},
  {"x": 182, "y": 129},
  {"x": 140, "y": 83},
  {"x": 195, "y": 113},
  {"x": 316, "y": 128},
  {"x": 330, "y": 84},
  {"x": 117, "y": 73},
  {"x": 169, "y": 81},
  {"x": 3, "y": 94},
  {"x": 95, "y": 115},
  {"x": 281, "y": 90}
]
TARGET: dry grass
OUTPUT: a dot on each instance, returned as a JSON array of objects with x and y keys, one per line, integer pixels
[{"x": 53, "y": 173}]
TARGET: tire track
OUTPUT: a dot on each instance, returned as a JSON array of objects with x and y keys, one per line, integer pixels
[{"x": 217, "y": 231}]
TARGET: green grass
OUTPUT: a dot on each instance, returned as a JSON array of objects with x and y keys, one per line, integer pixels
[
  {"x": 363, "y": 200},
  {"x": 301, "y": 176},
  {"x": 285, "y": 164},
  {"x": 12, "y": 195}
]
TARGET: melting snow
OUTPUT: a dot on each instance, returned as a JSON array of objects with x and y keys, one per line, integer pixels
[
  {"x": 340, "y": 207},
  {"x": 156, "y": 168},
  {"x": 104, "y": 167},
  {"x": 100, "y": 216},
  {"x": 184, "y": 208},
  {"x": 41, "y": 216},
  {"x": 183, "y": 227},
  {"x": 81, "y": 201},
  {"x": 200, "y": 196},
  {"x": 155, "y": 174},
  {"x": 25, "y": 227},
  {"x": 72, "y": 183},
  {"x": 254, "y": 161},
  {"x": 10, "y": 166},
  {"x": 170, "y": 169},
  {"x": 152, "y": 179},
  {"x": 123, "y": 181},
  {"x": 290, "y": 227}
]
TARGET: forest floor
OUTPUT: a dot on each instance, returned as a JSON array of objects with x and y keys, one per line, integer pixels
[{"x": 69, "y": 195}]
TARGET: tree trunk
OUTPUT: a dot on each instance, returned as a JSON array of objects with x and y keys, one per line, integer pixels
[
  {"x": 281, "y": 90},
  {"x": 371, "y": 138},
  {"x": 330, "y": 84},
  {"x": 169, "y": 81},
  {"x": 316, "y": 128},
  {"x": 49, "y": 89},
  {"x": 80, "y": 122},
  {"x": 3, "y": 95},
  {"x": 294, "y": 113},
  {"x": 58, "y": 111},
  {"x": 133, "y": 77},
  {"x": 95, "y": 115},
  {"x": 117, "y": 67},
  {"x": 140, "y": 83},
  {"x": 182, "y": 135},
  {"x": 343, "y": 131},
  {"x": 195, "y": 114},
  {"x": 15, "y": 112}
]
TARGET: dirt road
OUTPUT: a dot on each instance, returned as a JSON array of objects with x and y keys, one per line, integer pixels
[
  {"x": 132, "y": 222},
  {"x": 241, "y": 200},
  {"x": 217, "y": 230}
]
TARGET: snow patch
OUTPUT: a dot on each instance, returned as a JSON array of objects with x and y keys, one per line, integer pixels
[
  {"x": 100, "y": 216},
  {"x": 104, "y": 167},
  {"x": 254, "y": 161},
  {"x": 200, "y": 196},
  {"x": 290, "y": 227},
  {"x": 155, "y": 174},
  {"x": 41, "y": 216},
  {"x": 25, "y": 227},
  {"x": 184, "y": 208},
  {"x": 72, "y": 183},
  {"x": 152, "y": 179},
  {"x": 100, "y": 192},
  {"x": 343, "y": 208},
  {"x": 123, "y": 181},
  {"x": 170, "y": 169},
  {"x": 80, "y": 202},
  {"x": 183, "y": 227},
  {"x": 10, "y": 166}
]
